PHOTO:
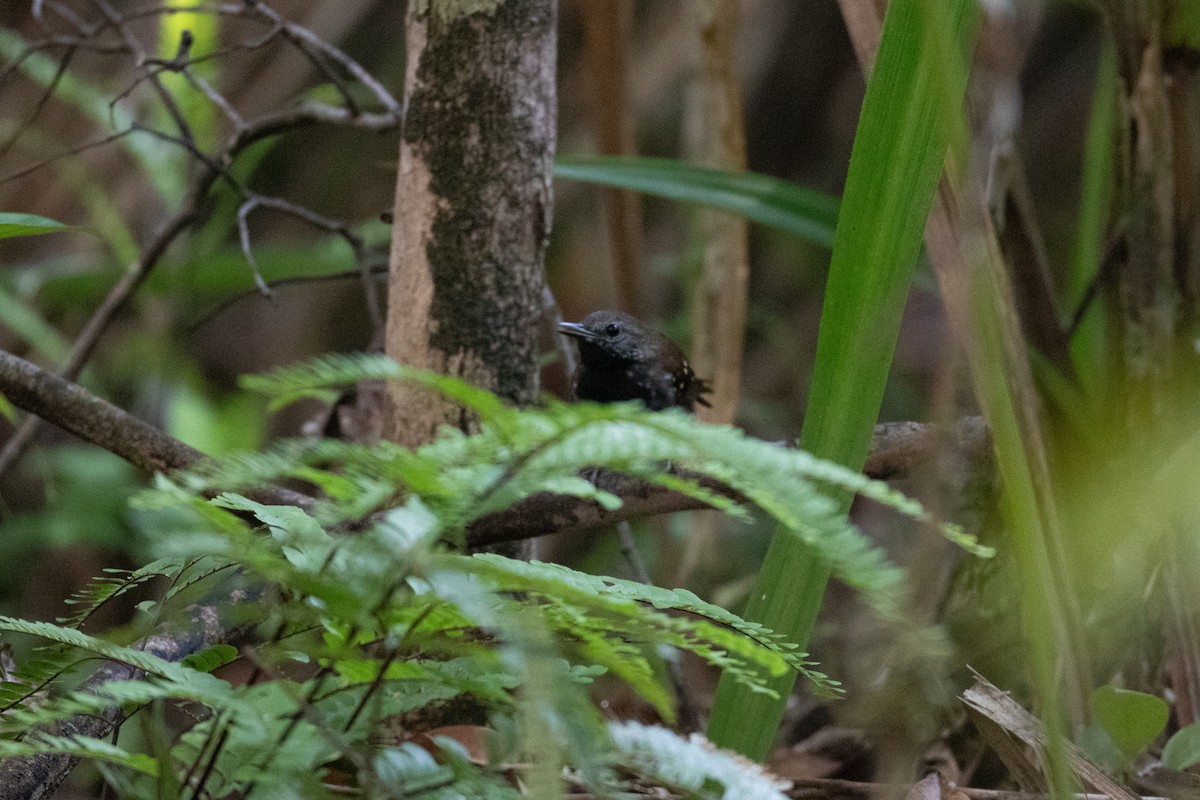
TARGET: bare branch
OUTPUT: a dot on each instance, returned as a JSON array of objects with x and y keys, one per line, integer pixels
[
  {"x": 214, "y": 165},
  {"x": 91, "y": 418},
  {"x": 99, "y": 422}
]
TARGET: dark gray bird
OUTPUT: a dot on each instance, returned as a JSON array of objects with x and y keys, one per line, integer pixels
[{"x": 620, "y": 358}]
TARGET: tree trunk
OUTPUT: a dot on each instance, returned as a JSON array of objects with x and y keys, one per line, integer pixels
[{"x": 473, "y": 204}]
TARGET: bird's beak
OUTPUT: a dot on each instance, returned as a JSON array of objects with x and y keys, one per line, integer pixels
[{"x": 575, "y": 331}]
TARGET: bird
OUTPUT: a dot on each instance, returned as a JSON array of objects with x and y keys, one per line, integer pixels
[{"x": 621, "y": 358}]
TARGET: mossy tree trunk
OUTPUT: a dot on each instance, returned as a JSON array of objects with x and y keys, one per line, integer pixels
[{"x": 473, "y": 203}]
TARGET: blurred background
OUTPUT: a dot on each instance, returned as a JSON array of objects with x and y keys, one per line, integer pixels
[{"x": 175, "y": 352}]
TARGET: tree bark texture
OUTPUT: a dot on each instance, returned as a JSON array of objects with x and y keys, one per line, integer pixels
[{"x": 473, "y": 203}]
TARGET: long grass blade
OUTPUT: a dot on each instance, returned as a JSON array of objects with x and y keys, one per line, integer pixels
[{"x": 897, "y": 158}]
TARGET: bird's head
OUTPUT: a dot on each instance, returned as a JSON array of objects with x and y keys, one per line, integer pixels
[{"x": 610, "y": 336}]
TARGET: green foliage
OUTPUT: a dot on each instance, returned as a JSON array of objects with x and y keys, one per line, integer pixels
[
  {"x": 371, "y": 615},
  {"x": 19, "y": 318},
  {"x": 764, "y": 199},
  {"x": 113, "y": 584},
  {"x": 27, "y": 225},
  {"x": 86, "y": 484},
  {"x": 1183, "y": 749},
  {"x": 29, "y": 325},
  {"x": 1133, "y": 720},
  {"x": 1183, "y": 24}
]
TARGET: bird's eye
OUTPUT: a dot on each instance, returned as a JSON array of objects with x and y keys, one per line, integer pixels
[{"x": 612, "y": 329}]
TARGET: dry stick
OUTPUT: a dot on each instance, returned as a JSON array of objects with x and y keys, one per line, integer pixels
[
  {"x": 91, "y": 418},
  {"x": 140, "y": 60},
  {"x": 41, "y": 103},
  {"x": 95, "y": 420},
  {"x": 254, "y": 201}
]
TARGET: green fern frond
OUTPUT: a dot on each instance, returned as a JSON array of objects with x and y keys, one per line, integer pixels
[
  {"x": 724, "y": 443},
  {"x": 316, "y": 378},
  {"x": 115, "y": 583},
  {"x": 79, "y": 747},
  {"x": 519, "y": 637},
  {"x": 611, "y": 613},
  {"x": 693, "y": 764},
  {"x": 34, "y": 676},
  {"x": 619, "y": 656},
  {"x": 288, "y": 384},
  {"x": 683, "y": 600},
  {"x": 139, "y": 659},
  {"x": 212, "y": 693},
  {"x": 483, "y": 674}
]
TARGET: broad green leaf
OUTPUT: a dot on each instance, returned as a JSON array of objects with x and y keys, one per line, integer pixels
[
  {"x": 1183, "y": 749},
  {"x": 409, "y": 770},
  {"x": 27, "y": 225},
  {"x": 1132, "y": 719},
  {"x": 1099, "y": 746},
  {"x": 807, "y": 213}
]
